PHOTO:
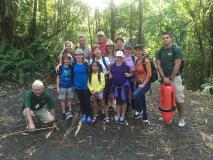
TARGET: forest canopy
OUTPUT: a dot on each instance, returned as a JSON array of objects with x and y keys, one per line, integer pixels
[{"x": 32, "y": 32}]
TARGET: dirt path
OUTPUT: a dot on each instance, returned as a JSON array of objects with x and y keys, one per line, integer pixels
[{"x": 133, "y": 141}]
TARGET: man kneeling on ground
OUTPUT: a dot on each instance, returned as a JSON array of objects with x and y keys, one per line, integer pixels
[{"x": 38, "y": 102}]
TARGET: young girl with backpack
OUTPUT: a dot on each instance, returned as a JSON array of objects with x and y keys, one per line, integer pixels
[{"x": 96, "y": 84}]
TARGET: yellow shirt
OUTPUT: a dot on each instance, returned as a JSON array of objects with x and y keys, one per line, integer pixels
[{"x": 95, "y": 85}]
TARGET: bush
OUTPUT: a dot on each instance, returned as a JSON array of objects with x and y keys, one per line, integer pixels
[{"x": 22, "y": 65}]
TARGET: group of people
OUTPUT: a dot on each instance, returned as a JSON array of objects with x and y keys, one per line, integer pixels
[{"x": 107, "y": 74}]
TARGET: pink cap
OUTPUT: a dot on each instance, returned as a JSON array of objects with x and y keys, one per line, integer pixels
[{"x": 119, "y": 54}]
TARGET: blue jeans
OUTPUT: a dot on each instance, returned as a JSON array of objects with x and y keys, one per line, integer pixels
[{"x": 140, "y": 100}]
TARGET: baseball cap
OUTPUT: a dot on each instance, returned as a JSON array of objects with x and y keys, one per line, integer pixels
[
  {"x": 127, "y": 46},
  {"x": 100, "y": 33},
  {"x": 139, "y": 46},
  {"x": 119, "y": 54}
]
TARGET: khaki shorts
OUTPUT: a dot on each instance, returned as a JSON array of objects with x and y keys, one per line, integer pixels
[
  {"x": 178, "y": 89},
  {"x": 65, "y": 93},
  {"x": 44, "y": 115}
]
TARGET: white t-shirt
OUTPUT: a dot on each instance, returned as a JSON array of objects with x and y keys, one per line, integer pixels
[{"x": 102, "y": 64}]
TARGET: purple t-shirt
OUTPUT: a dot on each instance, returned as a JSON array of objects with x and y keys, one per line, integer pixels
[{"x": 118, "y": 77}]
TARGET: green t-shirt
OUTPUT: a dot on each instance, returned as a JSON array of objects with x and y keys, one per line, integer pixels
[
  {"x": 35, "y": 103},
  {"x": 167, "y": 58}
]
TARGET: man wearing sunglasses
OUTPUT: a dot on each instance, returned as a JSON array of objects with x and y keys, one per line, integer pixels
[{"x": 168, "y": 60}]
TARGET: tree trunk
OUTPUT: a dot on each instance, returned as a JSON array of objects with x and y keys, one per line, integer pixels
[
  {"x": 112, "y": 19},
  {"x": 130, "y": 22},
  {"x": 89, "y": 26},
  {"x": 211, "y": 38},
  {"x": 200, "y": 42},
  {"x": 45, "y": 18},
  {"x": 55, "y": 17},
  {"x": 97, "y": 20},
  {"x": 58, "y": 24},
  {"x": 141, "y": 39},
  {"x": 8, "y": 14},
  {"x": 32, "y": 27}
]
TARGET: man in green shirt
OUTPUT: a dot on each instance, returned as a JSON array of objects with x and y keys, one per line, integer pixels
[
  {"x": 168, "y": 60},
  {"x": 38, "y": 102}
]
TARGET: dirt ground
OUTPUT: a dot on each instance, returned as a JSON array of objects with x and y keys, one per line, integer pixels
[{"x": 129, "y": 142}]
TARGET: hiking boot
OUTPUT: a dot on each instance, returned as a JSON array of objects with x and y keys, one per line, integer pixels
[
  {"x": 137, "y": 115},
  {"x": 122, "y": 121},
  {"x": 89, "y": 119},
  {"x": 181, "y": 123},
  {"x": 84, "y": 119}
]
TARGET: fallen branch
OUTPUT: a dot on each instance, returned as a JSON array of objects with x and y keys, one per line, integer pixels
[{"x": 23, "y": 131}]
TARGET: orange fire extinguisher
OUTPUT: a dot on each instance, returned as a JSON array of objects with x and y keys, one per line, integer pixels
[{"x": 167, "y": 102}]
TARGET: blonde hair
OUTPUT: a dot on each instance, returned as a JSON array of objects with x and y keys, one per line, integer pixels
[
  {"x": 37, "y": 83},
  {"x": 65, "y": 44}
]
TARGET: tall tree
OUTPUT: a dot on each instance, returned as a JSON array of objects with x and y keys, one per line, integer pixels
[
  {"x": 45, "y": 18},
  {"x": 32, "y": 27},
  {"x": 130, "y": 21},
  {"x": 97, "y": 20},
  {"x": 8, "y": 15},
  {"x": 89, "y": 26},
  {"x": 141, "y": 38},
  {"x": 112, "y": 8}
]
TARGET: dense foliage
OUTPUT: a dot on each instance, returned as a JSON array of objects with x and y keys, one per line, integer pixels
[{"x": 32, "y": 32}]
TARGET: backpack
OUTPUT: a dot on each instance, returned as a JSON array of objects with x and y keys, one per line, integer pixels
[
  {"x": 173, "y": 54},
  {"x": 104, "y": 62},
  {"x": 154, "y": 72}
]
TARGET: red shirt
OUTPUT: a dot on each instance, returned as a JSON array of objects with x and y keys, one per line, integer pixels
[{"x": 102, "y": 47}]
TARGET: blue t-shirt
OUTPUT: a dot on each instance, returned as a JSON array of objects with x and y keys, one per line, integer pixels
[
  {"x": 118, "y": 77},
  {"x": 80, "y": 76},
  {"x": 65, "y": 77}
]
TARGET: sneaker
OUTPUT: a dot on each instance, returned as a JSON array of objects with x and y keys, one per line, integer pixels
[
  {"x": 137, "y": 115},
  {"x": 69, "y": 115},
  {"x": 160, "y": 119},
  {"x": 181, "y": 123},
  {"x": 145, "y": 120},
  {"x": 84, "y": 119},
  {"x": 89, "y": 119},
  {"x": 122, "y": 120},
  {"x": 116, "y": 119},
  {"x": 94, "y": 119},
  {"x": 106, "y": 120}
]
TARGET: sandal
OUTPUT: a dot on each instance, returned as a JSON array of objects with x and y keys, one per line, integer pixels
[
  {"x": 106, "y": 120},
  {"x": 94, "y": 120}
]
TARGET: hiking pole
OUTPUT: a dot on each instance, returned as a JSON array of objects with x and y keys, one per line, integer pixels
[{"x": 23, "y": 131}]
